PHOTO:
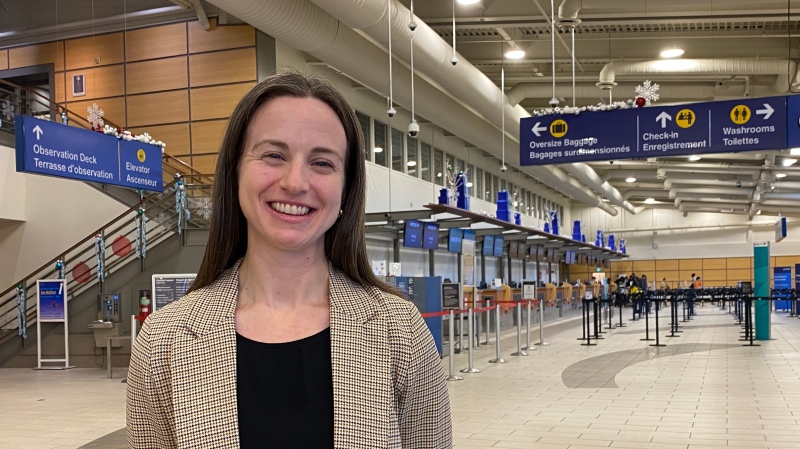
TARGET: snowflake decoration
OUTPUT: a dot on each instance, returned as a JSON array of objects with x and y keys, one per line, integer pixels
[
  {"x": 164, "y": 220},
  {"x": 201, "y": 206},
  {"x": 95, "y": 116},
  {"x": 648, "y": 91},
  {"x": 8, "y": 110}
]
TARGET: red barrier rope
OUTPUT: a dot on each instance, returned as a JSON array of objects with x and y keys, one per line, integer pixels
[
  {"x": 481, "y": 310},
  {"x": 435, "y": 314}
]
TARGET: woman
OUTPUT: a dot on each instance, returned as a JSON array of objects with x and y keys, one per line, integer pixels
[{"x": 286, "y": 339}]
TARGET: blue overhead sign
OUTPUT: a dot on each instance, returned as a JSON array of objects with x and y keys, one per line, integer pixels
[
  {"x": 714, "y": 127},
  {"x": 53, "y": 149}
]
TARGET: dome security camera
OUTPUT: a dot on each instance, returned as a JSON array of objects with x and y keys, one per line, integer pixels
[
  {"x": 391, "y": 112},
  {"x": 503, "y": 168},
  {"x": 738, "y": 183},
  {"x": 454, "y": 60},
  {"x": 413, "y": 129},
  {"x": 412, "y": 26},
  {"x": 553, "y": 102}
]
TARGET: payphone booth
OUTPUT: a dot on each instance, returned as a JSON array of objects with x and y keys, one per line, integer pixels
[{"x": 109, "y": 322}]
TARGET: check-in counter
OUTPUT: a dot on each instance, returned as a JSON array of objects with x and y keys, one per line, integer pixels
[{"x": 566, "y": 295}]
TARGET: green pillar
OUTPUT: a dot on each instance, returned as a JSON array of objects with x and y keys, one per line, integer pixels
[{"x": 761, "y": 290}]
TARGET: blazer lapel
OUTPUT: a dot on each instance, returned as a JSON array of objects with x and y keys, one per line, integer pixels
[
  {"x": 361, "y": 359},
  {"x": 204, "y": 369}
]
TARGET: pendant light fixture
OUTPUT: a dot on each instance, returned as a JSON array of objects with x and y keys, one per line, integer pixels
[
  {"x": 413, "y": 127},
  {"x": 454, "y": 60},
  {"x": 390, "y": 111}
]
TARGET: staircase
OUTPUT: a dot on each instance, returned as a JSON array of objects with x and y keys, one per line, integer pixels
[{"x": 159, "y": 233}]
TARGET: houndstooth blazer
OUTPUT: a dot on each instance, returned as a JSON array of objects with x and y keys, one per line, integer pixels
[{"x": 389, "y": 386}]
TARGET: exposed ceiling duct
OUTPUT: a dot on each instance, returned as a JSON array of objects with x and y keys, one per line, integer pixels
[
  {"x": 784, "y": 69},
  {"x": 198, "y": 8},
  {"x": 521, "y": 91},
  {"x": 463, "y": 80},
  {"x": 568, "y": 13},
  {"x": 306, "y": 27}
]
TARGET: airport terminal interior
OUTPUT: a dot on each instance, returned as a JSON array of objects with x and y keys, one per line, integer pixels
[{"x": 594, "y": 203}]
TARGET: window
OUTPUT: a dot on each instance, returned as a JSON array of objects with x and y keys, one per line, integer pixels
[
  {"x": 363, "y": 120},
  {"x": 478, "y": 176},
  {"x": 411, "y": 157},
  {"x": 449, "y": 166},
  {"x": 503, "y": 185},
  {"x": 381, "y": 144},
  {"x": 397, "y": 150},
  {"x": 471, "y": 178},
  {"x": 488, "y": 187},
  {"x": 425, "y": 162},
  {"x": 438, "y": 167},
  {"x": 460, "y": 167}
]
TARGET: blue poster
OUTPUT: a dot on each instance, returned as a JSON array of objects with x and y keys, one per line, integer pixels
[
  {"x": 782, "y": 279},
  {"x": 797, "y": 277},
  {"x": 52, "y": 298}
]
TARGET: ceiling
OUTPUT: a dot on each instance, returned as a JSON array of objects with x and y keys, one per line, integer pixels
[
  {"x": 629, "y": 31},
  {"x": 609, "y": 31}
]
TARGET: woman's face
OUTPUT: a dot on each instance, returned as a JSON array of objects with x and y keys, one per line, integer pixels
[{"x": 291, "y": 174}]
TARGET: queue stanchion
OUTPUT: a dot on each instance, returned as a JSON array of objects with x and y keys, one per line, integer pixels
[
  {"x": 470, "y": 319},
  {"x": 451, "y": 352},
  {"x": 541, "y": 325},
  {"x": 673, "y": 310},
  {"x": 497, "y": 358},
  {"x": 597, "y": 323},
  {"x": 476, "y": 326},
  {"x": 620, "y": 303},
  {"x": 609, "y": 308},
  {"x": 584, "y": 318},
  {"x": 658, "y": 342},
  {"x": 487, "y": 304},
  {"x": 587, "y": 322},
  {"x": 647, "y": 321},
  {"x": 519, "y": 352},
  {"x": 528, "y": 346},
  {"x": 749, "y": 327}
]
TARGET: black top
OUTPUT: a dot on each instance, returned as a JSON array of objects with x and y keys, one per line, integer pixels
[{"x": 285, "y": 393}]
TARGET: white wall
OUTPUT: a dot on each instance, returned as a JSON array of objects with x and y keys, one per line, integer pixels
[
  {"x": 706, "y": 235},
  {"x": 12, "y": 187},
  {"x": 57, "y": 212}
]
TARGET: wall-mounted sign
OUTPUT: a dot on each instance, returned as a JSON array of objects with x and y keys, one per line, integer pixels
[{"x": 53, "y": 149}]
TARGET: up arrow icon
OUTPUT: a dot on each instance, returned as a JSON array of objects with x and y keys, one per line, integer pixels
[
  {"x": 663, "y": 117},
  {"x": 38, "y": 131}
]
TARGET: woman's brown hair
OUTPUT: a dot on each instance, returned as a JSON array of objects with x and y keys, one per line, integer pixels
[{"x": 345, "y": 241}]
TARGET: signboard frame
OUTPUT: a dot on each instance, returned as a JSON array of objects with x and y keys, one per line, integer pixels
[
  {"x": 156, "y": 300},
  {"x": 62, "y": 296}
]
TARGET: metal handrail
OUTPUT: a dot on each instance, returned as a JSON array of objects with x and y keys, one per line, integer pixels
[{"x": 156, "y": 235}]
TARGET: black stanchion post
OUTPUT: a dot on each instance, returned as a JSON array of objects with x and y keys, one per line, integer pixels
[
  {"x": 610, "y": 308},
  {"x": 646, "y": 322},
  {"x": 658, "y": 343},
  {"x": 588, "y": 324},
  {"x": 619, "y": 299}
]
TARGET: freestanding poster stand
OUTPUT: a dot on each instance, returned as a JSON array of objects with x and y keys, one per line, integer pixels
[{"x": 51, "y": 307}]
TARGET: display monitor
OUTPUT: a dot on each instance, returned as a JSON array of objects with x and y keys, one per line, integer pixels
[
  {"x": 513, "y": 248},
  {"x": 454, "y": 237},
  {"x": 522, "y": 251},
  {"x": 469, "y": 234},
  {"x": 498, "y": 245},
  {"x": 532, "y": 253},
  {"x": 430, "y": 236},
  {"x": 488, "y": 245},
  {"x": 412, "y": 234},
  {"x": 540, "y": 254}
]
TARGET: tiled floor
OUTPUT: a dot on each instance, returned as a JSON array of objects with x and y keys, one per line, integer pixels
[{"x": 703, "y": 390}]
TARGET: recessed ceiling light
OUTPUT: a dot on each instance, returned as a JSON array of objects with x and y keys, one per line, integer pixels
[
  {"x": 377, "y": 150},
  {"x": 439, "y": 175},
  {"x": 650, "y": 201},
  {"x": 469, "y": 184},
  {"x": 795, "y": 151},
  {"x": 758, "y": 212},
  {"x": 631, "y": 179},
  {"x": 780, "y": 175},
  {"x": 672, "y": 53},
  {"x": 694, "y": 158},
  {"x": 515, "y": 54},
  {"x": 468, "y": 2},
  {"x": 788, "y": 162},
  {"x": 412, "y": 163}
]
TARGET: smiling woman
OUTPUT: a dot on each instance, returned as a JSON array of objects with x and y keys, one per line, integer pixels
[{"x": 268, "y": 347}]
